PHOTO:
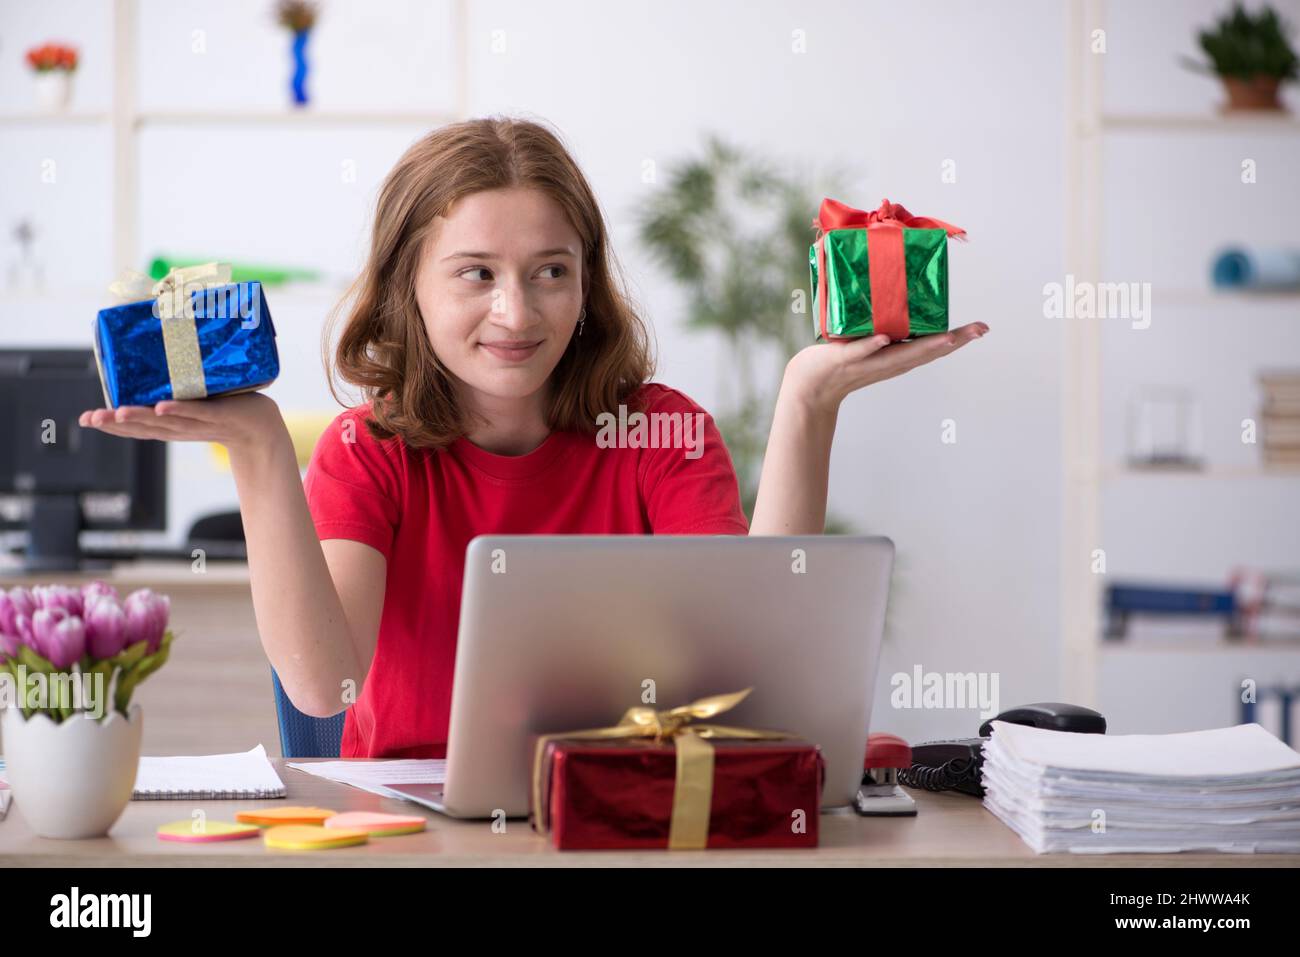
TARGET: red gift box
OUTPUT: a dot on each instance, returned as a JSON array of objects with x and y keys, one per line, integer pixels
[{"x": 654, "y": 781}]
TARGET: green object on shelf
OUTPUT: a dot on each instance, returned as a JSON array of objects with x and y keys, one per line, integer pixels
[{"x": 239, "y": 272}]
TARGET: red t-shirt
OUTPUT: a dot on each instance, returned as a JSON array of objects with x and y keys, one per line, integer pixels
[{"x": 420, "y": 508}]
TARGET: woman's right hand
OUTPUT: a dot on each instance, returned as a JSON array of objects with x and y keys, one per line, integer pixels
[{"x": 238, "y": 422}]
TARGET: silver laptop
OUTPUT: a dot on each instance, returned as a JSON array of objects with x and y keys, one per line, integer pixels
[{"x": 567, "y": 632}]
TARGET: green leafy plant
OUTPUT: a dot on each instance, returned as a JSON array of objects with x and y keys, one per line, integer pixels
[
  {"x": 1245, "y": 46},
  {"x": 734, "y": 231}
]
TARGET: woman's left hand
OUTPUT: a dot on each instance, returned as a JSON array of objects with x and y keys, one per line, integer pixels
[{"x": 825, "y": 373}]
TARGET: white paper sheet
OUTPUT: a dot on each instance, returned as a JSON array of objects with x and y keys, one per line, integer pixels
[
  {"x": 377, "y": 776},
  {"x": 1235, "y": 790}
]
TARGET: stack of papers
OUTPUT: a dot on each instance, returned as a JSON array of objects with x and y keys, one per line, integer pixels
[
  {"x": 378, "y": 776},
  {"x": 1230, "y": 789}
]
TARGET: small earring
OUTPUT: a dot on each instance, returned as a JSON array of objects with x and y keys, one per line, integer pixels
[{"x": 582, "y": 319}]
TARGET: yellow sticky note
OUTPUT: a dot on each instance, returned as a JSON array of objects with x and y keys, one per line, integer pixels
[
  {"x": 206, "y": 831},
  {"x": 307, "y": 837},
  {"x": 269, "y": 817}
]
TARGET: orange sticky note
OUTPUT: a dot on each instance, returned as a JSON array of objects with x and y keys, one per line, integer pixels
[
  {"x": 309, "y": 837},
  {"x": 209, "y": 831},
  {"x": 377, "y": 824},
  {"x": 270, "y": 817}
]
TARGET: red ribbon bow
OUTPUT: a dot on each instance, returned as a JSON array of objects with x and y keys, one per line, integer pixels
[{"x": 886, "y": 262}]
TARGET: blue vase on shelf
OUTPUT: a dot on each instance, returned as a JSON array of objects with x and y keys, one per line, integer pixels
[{"x": 299, "y": 81}]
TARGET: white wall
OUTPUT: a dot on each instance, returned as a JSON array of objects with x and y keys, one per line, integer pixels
[{"x": 885, "y": 93}]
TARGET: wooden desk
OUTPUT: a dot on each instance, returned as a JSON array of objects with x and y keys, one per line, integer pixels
[{"x": 951, "y": 830}]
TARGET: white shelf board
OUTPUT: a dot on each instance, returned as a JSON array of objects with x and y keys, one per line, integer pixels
[
  {"x": 293, "y": 118},
  {"x": 1234, "y": 299},
  {"x": 1261, "y": 122},
  {"x": 1112, "y": 473},
  {"x": 69, "y": 118},
  {"x": 1199, "y": 645}
]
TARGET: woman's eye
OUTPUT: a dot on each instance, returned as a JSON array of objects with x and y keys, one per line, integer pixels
[
  {"x": 465, "y": 272},
  {"x": 560, "y": 268}
]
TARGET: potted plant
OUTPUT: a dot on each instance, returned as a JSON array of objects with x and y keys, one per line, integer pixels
[
  {"x": 70, "y": 659},
  {"x": 298, "y": 16},
  {"x": 1251, "y": 55},
  {"x": 54, "y": 64},
  {"x": 733, "y": 231}
]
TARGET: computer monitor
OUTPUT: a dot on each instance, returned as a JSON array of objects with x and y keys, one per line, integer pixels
[{"x": 56, "y": 478}]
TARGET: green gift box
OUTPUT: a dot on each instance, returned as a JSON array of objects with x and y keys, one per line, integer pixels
[{"x": 884, "y": 271}]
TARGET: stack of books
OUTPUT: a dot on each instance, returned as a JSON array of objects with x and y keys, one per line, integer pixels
[
  {"x": 1230, "y": 789},
  {"x": 1269, "y": 604},
  {"x": 1140, "y": 611},
  {"x": 1280, "y": 418}
]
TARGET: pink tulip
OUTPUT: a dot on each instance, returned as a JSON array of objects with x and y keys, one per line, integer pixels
[
  {"x": 7, "y": 613},
  {"x": 105, "y": 627},
  {"x": 17, "y": 601},
  {"x": 23, "y": 627},
  {"x": 59, "y": 596},
  {"x": 96, "y": 590},
  {"x": 44, "y": 621},
  {"x": 146, "y": 617},
  {"x": 66, "y": 643},
  {"x": 9, "y": 640}
]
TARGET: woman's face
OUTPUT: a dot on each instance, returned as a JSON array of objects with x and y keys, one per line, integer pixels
[{"x": 500, "y": 286}]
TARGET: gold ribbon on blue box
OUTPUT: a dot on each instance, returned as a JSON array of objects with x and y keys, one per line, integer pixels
[{"x": 200, "y": 335}]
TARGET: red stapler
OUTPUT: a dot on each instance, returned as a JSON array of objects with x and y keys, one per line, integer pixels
[{"x": 880, "y": 795}]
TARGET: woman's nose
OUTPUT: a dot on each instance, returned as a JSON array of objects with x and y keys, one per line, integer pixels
[{"x": 512, "y": 307}]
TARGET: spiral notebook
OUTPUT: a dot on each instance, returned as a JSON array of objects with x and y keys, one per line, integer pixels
[{"x": 246, "y": 775}]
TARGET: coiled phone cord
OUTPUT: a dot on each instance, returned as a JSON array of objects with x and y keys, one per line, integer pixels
[{"x": 945, "y": 777}]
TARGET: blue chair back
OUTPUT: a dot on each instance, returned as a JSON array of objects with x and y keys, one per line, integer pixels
[{"x": 301, "y": 735}]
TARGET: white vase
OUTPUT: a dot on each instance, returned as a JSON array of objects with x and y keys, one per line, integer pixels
[
  {"x": 72, "y": 779},
  {"x": 53, "y": 90}
]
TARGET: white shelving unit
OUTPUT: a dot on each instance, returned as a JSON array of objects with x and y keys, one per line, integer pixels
[
  {"x": 126, "y": 121},
  {"x": 1086, "y": 474}
]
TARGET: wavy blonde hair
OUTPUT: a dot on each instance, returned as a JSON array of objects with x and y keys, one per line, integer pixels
[{"x": 384, "y": 347}]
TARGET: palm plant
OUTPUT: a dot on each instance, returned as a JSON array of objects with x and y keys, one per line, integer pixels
[{"x": 733, "y": 230}]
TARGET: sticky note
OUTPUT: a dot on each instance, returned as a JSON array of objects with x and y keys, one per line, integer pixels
[
  {"x": 270, "y": 817},
  {"x": 376, "y": 823},
  {"x": 308, "y": 837},
  {"x": 210, "y": 831}
]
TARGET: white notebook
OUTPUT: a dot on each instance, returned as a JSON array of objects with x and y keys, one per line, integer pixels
[{"x": 246, "y": 776}]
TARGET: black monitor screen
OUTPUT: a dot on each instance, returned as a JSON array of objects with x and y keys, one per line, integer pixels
[{"x": 43, "y": 451}]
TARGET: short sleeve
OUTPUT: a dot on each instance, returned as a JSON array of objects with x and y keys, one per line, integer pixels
[
  {"x": 689, "y": 485},
  {"x": 353, "y": 484}
]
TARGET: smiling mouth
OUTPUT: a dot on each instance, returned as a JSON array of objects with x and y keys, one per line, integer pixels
[{"x": 512, "y": 351}]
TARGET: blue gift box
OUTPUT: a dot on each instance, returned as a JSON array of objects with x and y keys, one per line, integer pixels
[{"x": 236, "y": 344}]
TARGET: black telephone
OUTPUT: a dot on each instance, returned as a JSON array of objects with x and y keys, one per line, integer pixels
[{"x": 956, "y": 765}]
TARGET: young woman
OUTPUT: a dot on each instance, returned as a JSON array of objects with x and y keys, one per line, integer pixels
[{"x": 488, "y": 334}]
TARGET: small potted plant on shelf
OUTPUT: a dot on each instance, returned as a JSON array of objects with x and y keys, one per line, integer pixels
[
  {"x": 70, "y": 659},
  {"x": 298, "y": 17},
  {"x": 1251, "y": 55},
  {"x": 54, "y": 64}
]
